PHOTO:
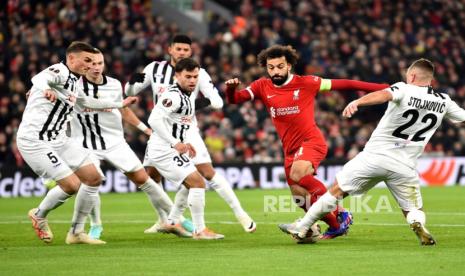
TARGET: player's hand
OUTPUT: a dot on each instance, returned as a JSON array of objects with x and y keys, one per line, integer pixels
[
  {"x": 148, "y": 131},
  {"x": 50, "y": 95},
  {"x": 137, "y": 77},
  {"x": 191, "y": 150},
  {"x": 130, "y": 100},
  {"x": 232, "y": 83},
  {"x": 350, "y": 109},
  {"x": 181, "y": 148}
]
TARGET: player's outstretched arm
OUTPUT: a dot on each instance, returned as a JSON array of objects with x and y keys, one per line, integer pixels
[
  {"x": 129, "y": 116},
  {"x": 139, "y": 81},
  {"x": 239, "y": 96},
  {"x": 209, "y": 91},
  {"x": 345, "y": 84},
  {"x": 377, "y": 97},
  {"x": 136, "y": 83}
]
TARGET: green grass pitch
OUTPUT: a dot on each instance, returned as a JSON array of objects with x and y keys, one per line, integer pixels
[{"x": 378, "y": 242}]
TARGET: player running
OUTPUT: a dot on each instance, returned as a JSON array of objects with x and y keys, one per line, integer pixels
[
  {"x": 43, "y": 143},
  {"x": 170, "y": 154},
  {"x": 414, "y": 113},
  {"x": 290, "y": 100},
  {"x": 101, "y": 131},
  {"x": 160, "y": 75}
]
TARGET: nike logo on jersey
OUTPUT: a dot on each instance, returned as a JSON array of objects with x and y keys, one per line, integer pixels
[{"x": 270, "y": 96}]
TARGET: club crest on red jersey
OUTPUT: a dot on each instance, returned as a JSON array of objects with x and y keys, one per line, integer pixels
[{"x": 296, "y": 94}]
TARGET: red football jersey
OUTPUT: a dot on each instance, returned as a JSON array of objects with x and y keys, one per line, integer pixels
[{"x": 291, "y": 108}]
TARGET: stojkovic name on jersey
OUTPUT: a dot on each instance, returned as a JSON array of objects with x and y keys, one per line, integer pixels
[
  {"x": 427, "y": 104},
  {"x": 410, "y": 120}
]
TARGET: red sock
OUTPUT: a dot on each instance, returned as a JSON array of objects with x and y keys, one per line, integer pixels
[{"x": 317, "y": 189}]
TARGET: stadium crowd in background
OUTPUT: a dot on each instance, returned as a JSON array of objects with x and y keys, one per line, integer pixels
[{"x": 369, "y": 40}]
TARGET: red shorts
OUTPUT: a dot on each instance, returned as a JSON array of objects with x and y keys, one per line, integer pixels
[{"x": 308, "y": 151}]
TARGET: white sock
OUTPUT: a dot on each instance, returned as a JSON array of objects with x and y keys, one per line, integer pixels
[
  {"x": 416, "y": 215},
  {"x": 54, "y": 198},
  {"x": 180, "y": 204},
  {"x": 85, "y": 201},
  {"x": 158, "y": 197},
  {"x": 324, "y": 205},
  {"x": 196, "y": 202},
  {"x": 94, "y": 215},
  {"x": 222, "y": 187}
]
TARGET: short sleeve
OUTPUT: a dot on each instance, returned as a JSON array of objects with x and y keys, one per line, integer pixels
[
  {"x": 119, "y": 89},
  {"x": 206, "y": 84},
  {"x": 56, "y": 73},
  {"x": 313, "y": 83},
  {"x": 169, "y": 102},
  {"x": 397, "y": 90}
]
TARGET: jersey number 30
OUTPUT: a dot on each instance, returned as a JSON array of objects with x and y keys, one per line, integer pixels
[
  {"x": 180, "y": 160},
  {"x": 414, "y": 115}
]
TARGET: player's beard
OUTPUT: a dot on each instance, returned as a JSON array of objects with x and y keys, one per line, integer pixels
[{"x": 279, "y": 80}]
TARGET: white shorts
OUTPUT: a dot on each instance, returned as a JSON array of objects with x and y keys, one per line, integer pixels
[
  {"x": 53, "y": 160},
  {"x": 169, "y": 163},
  {"x": 121, "y": 157},
  {"x": 366, "y": 170},
  {"x": 202, "y": 155}
]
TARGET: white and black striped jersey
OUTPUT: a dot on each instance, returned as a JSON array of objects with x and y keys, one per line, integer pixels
[
  {"x": 160, "y": 76},
  {"x": 412, "y": 117},
  {"x": 171, "y": 117},
  {"x": 99, "y": 129},
  {"x": 46, "y": 120}
]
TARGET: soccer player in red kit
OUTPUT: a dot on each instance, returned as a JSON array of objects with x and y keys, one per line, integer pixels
[{"x": 290, "y": 100}]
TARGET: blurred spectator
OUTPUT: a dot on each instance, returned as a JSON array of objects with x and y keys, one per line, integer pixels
[{"x": 370, "y": 40}]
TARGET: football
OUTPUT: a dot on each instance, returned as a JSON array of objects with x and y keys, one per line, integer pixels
[{"x": 313, "y": 235}]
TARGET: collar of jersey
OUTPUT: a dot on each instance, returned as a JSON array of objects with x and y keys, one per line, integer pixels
[
  {"x": 182, "y": 90},
  {"x": 76, "y": 75},
  {"x": 103, "y": 83}
]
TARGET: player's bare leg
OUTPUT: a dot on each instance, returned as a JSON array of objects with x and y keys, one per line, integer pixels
[
  {"x": 222, "y": 187},
  {"x": 168, "y": 206},
  {"x": 154, "y": 174},
  {"x": 90, "y": 180}
]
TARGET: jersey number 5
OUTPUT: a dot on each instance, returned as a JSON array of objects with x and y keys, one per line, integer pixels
[
  {"x": 52, "y": 157},
  {"x": 431, "y": 118}
]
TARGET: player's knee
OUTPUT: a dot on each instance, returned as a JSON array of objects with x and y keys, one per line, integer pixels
[
  {"x": 208, "y": 174},
  {"x": 70, "y": 185},
  {"x": 139, "y": 177},
  {"x": 195, "y": 180},
  {"x": 206, "y": 170},
  {"x": 296, "y": 175},
  {"x": 92, "y": 179},
  {"x": 336, "y": 191}
]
